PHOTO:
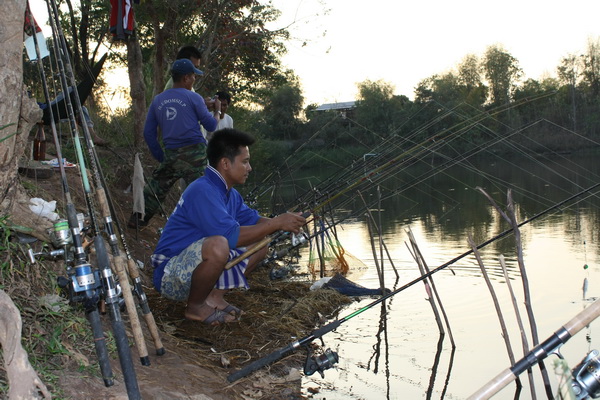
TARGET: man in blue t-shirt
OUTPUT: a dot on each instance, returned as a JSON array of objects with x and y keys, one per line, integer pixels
[
  {"x": 176, "y": 112},
  {"x": 210, "y": 226}
]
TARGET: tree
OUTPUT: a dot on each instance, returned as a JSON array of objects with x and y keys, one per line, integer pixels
[
  {"x": 469, "y": 77},
  {"x": 18, "y": 113},
  {"x": 374, "y": 109},
  {"x": 282, "y": 111},
  {"x": 568, "y": 76},
  {"x": 502, "y": 72},
  {"x": 591, "y": 67},
  {"x": 85, "y": 27},
  {"x": 239, "y": 53}
]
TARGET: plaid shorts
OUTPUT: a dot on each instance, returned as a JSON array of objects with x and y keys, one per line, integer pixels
[{"x": 176, "y": 281}]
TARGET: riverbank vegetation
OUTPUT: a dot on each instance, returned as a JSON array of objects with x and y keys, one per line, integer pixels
[{"x": 486, "y": 96}]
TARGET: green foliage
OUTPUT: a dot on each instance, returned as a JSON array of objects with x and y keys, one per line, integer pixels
[
  {"x": 267, "y": 155},
  {"x": 240, "y": 54},
  {"x": 502, "y": 71},
  {"x": 282, "y": 112}
]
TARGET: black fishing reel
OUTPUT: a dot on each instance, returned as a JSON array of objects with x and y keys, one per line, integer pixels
[
  {"x": 586, "y": 377},
  {"x": 319, "y": 363}
]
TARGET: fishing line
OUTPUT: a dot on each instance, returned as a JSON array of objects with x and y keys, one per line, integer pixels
[
  {"x": 493, "y": 179},
  {"x": 278, "y": 354},
  {"x": 524, "y": 151},
  {"x": 457, "y": 130},
  {"x": 340, "y": 172},
  {"x": 461, "y": 159},
  {"x": 455, "y": 161}
]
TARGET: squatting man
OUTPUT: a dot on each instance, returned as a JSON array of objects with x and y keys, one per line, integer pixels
[{"x": 210, "y": 226}]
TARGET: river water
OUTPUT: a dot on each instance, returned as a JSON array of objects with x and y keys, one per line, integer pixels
[{"x": 394, "y": 350}]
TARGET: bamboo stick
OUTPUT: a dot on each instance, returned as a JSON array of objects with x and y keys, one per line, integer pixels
[
  {"x": 524, "y": 341},
  {"x": 512, "y": 220},
  {"x": 505, "y": 335},
  {"x": 435, "y": 292}
]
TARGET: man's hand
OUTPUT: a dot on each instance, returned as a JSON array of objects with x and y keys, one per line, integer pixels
[{"x": 290, "y": 222}]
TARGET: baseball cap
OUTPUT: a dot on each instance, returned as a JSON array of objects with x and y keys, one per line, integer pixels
[{"x": 184, "y": 66}]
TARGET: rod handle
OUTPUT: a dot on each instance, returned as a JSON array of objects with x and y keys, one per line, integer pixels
[
  {"x": 143, "y": 302},
  {"x": 492, "y": 387},
  {"x": 136, "y": 326},
  {"x": 574, "y": 325},
  {"x": 258, "y": 364}
]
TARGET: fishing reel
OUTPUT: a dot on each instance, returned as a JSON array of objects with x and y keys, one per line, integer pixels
[
  {"x": 299, "y": 239},
  {"x": 319, "y": 363},
  {"x": 586, "y": 377}
]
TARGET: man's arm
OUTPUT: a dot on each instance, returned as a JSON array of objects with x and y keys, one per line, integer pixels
[
  {"x": 288, "y": 222},
  {"x": 151, "y": 135},
  {"x": 206, "y": 118}
]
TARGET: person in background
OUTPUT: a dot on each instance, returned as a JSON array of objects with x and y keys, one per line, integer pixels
[
  {"x": 192, "y": 54},
  {"x": 98, "y": 141},
  {"x": 225, "y": 120},
  {"x": 176, "y": 112},
  {"x": 210, "y": 226}
]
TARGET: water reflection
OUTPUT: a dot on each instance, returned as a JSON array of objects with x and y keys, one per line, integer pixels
[{"x": 398, "y": 352}]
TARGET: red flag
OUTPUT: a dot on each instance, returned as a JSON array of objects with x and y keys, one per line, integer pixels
[{"x": 121, "y": 19}]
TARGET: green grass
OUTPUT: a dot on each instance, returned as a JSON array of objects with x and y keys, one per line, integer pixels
[{"x": 56, "y": 335}]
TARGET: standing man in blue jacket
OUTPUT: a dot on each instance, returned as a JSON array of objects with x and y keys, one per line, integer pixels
[{"x": 174, "y": 115}]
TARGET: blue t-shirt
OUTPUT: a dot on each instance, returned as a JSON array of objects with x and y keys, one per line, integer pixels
[
  {"x": 177, "y": 112},
  {"x": 206, "y": 208}
]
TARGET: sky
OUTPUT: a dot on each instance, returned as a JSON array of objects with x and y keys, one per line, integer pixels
[{"x": 404, "y": 42}]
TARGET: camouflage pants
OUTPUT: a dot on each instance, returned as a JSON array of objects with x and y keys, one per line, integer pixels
[{"x": 185, "y": 162}]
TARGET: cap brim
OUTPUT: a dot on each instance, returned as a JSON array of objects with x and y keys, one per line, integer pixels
[{"x": 198, "y": 72}]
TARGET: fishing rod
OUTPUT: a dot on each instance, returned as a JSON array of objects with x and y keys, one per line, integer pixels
[
  {"x": 84, "y": 283},
  {"x": 380, "y": 172},
  {"x": 117, "y": 260},
  {"x": 279, "y": 235},
  {"x": 138, "y": 288},
  {"x": 329, "y": 358},
  {"x": 585, "y": 376},
  {"x": 376, "y": 181},
  {"x": 110, "y": 288}
]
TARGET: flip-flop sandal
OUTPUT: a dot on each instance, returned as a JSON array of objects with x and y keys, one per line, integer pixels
[
  {"x": 233, "y": 310},
  {"x": 217, "y": 318}
]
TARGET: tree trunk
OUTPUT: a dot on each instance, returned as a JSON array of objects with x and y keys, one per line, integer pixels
[
  {"x": 159, "y": 50},
  {"x": 137, "y": 89},
  {"x": 18, "y": 114}
]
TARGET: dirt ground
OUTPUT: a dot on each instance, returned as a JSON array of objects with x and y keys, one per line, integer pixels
[{"x": 198, "y": 358}]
